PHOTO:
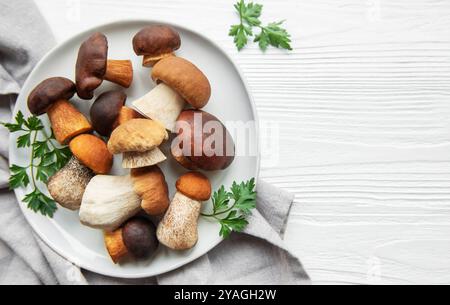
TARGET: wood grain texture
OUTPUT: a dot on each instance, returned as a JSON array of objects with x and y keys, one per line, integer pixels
[{"x": 359, "y": 117}]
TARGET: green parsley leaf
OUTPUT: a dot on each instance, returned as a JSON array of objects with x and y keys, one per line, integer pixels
[
  {"x": 19, "y": 177},
  {"x": 232, "y": 223},
  {"x": 46, "y": 159},
  {"x": 38, "y": 202},
  {"x": 24, "y": 140},
  {"x": 220, "y": 199},
  {"x": 236, "y": 204},
  {"x": 272, "y": 34}
]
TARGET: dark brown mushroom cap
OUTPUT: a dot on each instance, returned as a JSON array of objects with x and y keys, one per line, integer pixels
[
  {"x": 139, "y": 236},
  {"x": 91, "y": 65},
  {"x": 105, "y": 111},
  {"x": 155, "y": 40},
  {"x": 209, "y": 159},
  {"x": 48, "y": 92}
]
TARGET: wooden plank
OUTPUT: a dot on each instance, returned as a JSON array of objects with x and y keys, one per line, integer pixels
[{"x": 362, "y": 110}]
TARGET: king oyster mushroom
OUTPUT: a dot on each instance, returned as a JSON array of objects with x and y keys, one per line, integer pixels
[
  {"x": 138, "y": 140},
  {"x": 178, "y": 81},
  {"x": 178, "y": 228},
  {"x": 90, "y": 157}
]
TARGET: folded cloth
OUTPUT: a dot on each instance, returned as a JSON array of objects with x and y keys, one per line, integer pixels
[{"x": 256, "y": 256}]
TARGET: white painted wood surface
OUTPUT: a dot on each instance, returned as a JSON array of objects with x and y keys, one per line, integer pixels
[{"x": 363, "y": 109}]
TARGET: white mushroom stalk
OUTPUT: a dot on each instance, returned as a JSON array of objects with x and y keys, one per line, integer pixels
[
  {"x": 67, "y": 186},
  {"x": 161, "y": 104},
  {"x": 135, "y": 159},
  {"x": 178, "y": 82},
  {"x": 178, "y": 229},
  {"x": 108, "y": 202}
]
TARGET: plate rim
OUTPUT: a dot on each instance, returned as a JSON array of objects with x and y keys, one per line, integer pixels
[{"x": 79, "y": 35}]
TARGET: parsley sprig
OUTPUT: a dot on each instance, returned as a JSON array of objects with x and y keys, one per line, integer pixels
[
  {"x": 232, "y": 208},
  {"x": 46, "y": 158},
  {"x": 272, "y": 34}
]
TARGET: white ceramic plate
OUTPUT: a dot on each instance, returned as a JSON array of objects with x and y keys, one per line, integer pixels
[{"x": 230, "y": 101}]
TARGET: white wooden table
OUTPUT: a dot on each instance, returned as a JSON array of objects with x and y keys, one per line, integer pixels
[{"x": 363, "y": 109}]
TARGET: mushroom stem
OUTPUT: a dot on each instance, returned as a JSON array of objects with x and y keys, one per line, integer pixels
[
  {"x": 135, "y": 159},
  {"x": 150, "y": 61},
  {"x": 119, "y": 72},
  {"x": 125, "y": 115},
  {"x": 67, "y": 122},
  {"x": 67, "y": 186},
  {"x": 162, "y": 104},
  {"x": 108, "y": 202},
  {"x": 178, "y": 228},
  {"x": 115, "y": 245}
]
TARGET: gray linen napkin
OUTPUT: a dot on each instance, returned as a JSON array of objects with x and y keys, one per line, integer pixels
[{"x": 256, "y": 257}]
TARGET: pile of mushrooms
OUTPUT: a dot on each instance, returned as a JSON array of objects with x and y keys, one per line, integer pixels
[{"x": 127, "y": 207}]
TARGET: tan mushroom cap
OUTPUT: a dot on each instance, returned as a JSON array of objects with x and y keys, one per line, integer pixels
[
  {"x": 194, "y": 185},
  {"x": 185, "y": 78},
  {"x": 136, "y": 135}
]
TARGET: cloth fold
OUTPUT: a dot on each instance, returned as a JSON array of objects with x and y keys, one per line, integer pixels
[{"x": 256, "y": 256}]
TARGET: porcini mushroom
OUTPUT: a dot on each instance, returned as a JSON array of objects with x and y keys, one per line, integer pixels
[
  {"x": 108, "y": 112},
  {"x": 90, "y": 157},
  {"x": 138, "y": 140},
  {"x": 67, "y": 186},
  {"x": 92, "y": 152},
  {"x": 156, "y": 42},
  {"x": 109, "y": 201},
  {"x": 93, "y": 66},
  {"x": 203, "y": 142},
  {"x": 52, "y": 96},
  {"x": 136, "y": 238},
  {"x": 178, "y": 81},
  {"x": 150, "y": 184},
  {"x": 178, "y": 228}
]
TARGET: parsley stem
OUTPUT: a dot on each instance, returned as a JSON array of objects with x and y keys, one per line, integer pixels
[
  {"x": 219, "y": 213},
  {"x": 31, "y": 161}
]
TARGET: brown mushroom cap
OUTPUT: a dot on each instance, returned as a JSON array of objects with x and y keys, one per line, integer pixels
[
  {"x": 155, "y": 40},
  {"x": 105, "y": 111},
  {"x": 208, "y": 159},
  {"x": 48, "y": 92},
  {"x": 91, "y": 65},
  {"x": 194, "y": 185},
  {"x": 137, "y": 135},
  {"x": 185, "y": 78},
  {"x": 92, "y": 152},
  {"x": 139, "y": 237}
]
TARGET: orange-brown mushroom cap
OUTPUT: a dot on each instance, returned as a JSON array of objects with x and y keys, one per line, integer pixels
[
  {"x": 194, "y": 185},
  {"x": 185, "y": 78},
  {"x": 92, "y": 152}
]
